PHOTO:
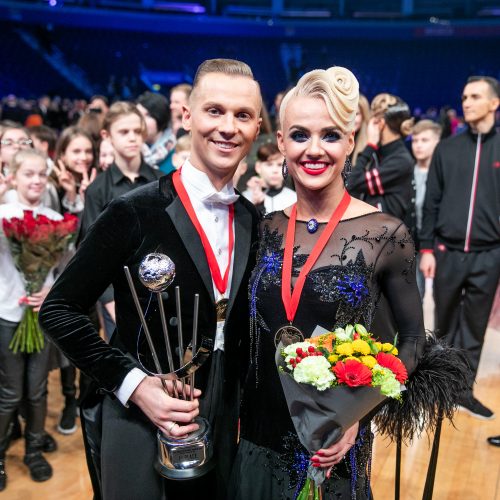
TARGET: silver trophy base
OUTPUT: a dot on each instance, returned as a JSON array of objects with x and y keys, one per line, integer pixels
[{"x": 186, "y": 458}]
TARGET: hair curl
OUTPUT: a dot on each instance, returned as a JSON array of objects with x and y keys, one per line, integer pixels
[{"x": 338, "y": 88}]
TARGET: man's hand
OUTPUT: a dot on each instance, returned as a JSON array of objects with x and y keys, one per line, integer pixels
[
  {"x": 172, "y": 416},
  {"x": 428, "y": 265}
]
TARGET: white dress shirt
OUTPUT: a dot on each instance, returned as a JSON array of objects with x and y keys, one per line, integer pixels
[{"x": 212, "y": 210}]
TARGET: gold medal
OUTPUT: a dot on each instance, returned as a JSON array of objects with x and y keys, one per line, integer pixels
[
  {"x": 288, "y": 334},
  {"x": 221, "y": 309}
]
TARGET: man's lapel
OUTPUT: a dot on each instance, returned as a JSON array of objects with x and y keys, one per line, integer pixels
[
  {"x": 191, "y": 240},
  {"x": 242, "y": 239}
]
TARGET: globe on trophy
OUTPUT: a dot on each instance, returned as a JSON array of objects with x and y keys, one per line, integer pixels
[{"x": 190, "y": 456}]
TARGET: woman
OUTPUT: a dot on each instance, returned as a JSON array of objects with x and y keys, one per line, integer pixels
[
  {"x": 368, "y": 253},
  {"x": 75, "y": 159}
]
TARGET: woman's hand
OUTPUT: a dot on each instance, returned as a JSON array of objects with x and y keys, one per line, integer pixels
[
  {"x": 5, "y": 185},
  {"x": 86, "y": 181},
  {"x": 172, "y": 416},
  {"x": 373, "y": 131},
  {"x": 35, "y": 300},
  {"x": 66, "y": 180},
  {"x": 328, "y": 457}
]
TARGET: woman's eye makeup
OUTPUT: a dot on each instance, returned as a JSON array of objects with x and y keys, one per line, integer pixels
[{"x": 299, "y": 136}]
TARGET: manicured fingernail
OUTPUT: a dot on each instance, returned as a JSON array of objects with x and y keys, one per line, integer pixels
[
  {"x": 316, "y": 465},
  {"x": 314, "y": 459},
  {"x": 320, "y": 453}
]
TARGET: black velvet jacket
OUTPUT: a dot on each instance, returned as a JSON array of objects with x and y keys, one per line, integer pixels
[{"x": 149, "y": 219}]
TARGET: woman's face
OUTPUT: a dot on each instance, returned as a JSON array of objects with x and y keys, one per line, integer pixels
[
  {"x": 13, "y": 140},
  {"x": 314, "y": 148},
  {"x": 79, "y": 155},
  {"x": 30, "y": 180}
]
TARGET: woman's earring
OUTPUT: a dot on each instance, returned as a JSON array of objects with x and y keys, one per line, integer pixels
[
  {"x": 347, "y": 169},
  {"x": 284, "y": 169}
]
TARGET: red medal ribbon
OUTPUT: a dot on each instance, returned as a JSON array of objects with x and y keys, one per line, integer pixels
[
  {"x": 291, "y": 299},
  {"x": 220, "y": 282}
]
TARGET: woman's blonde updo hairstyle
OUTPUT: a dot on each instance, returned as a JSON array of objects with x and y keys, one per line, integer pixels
[{"x": 338, "y": 88}]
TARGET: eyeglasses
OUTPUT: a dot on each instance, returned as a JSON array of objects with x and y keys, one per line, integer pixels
[{"x": 19, "y": 142}]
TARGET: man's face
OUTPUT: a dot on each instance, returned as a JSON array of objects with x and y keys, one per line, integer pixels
[
  {"x": 223, "y": 117},
  {"x": 423, "y": 145},
  {"x": 478, "y": 102},
  {"x": 126, "y": 135},
  {"x": 178, "y": 99}
]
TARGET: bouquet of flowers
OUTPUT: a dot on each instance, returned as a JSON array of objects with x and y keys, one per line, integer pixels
[
  {"x": 348, "y": 356},
  {"x": 36, "y": 244},
  {"x": 331, "y": 382}
]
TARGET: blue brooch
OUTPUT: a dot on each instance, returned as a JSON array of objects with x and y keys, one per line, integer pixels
[{"x": 312, "y": 225}]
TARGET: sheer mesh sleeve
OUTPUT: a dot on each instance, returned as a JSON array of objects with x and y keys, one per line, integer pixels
[{"x": 396, "y": 267}]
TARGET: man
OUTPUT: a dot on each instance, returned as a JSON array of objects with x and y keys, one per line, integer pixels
[
  {"x": 179, "y": 96},
  {"x": 460, "y": 238},
  {"x": 223, "y": 118},
  {"x": 424, "y": 139}
]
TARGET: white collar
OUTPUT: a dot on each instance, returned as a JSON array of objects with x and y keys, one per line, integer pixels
[{"x": 199, "y": 185}]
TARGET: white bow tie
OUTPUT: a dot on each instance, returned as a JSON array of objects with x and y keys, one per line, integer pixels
[{"x": 220, "y": 197}]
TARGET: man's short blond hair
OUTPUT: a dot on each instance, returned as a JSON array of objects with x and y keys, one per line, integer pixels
[{"x": 424, "y": 125}]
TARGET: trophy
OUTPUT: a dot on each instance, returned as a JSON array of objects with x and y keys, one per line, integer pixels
[{"x": 189, "y": 456}]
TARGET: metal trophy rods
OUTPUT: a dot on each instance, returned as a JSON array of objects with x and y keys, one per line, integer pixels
[{"x": 156, "y": 273}]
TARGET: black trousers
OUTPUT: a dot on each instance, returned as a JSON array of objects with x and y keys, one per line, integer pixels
[
  {"x": 22, "y": 377},
  {"x": 464, "y": 291}
]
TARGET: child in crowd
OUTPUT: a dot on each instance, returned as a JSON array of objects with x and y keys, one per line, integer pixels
[
  {"x": 181, "y": 151},
  {"x": 106, "y": 154},
  {"x": 424, "y": 139},
  {"x": 23, "y": 376},
  {"x": 268, "y": 188},
  {"x": 75, "y": 159}
]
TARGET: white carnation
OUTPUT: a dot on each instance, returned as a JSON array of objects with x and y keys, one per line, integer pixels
[{"x": 316, "y": 371}]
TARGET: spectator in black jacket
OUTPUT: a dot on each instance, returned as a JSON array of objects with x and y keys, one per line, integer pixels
[
  {"x": 383, "y": 173},
  {"x": 460, "y": 238}
]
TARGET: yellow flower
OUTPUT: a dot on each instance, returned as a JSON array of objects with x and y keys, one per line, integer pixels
[
  {"x": 387, "y": 347},
  {"x": 395, "y": 351},
  {"x": 352, "y": 357},
  {"x": 333, "y": 358},
  {"x": 369, "y": 361},
  {"x": 378, "y": 345},
  {"x": 344, "y": 349},
  {"x": 361, "y": 346}
]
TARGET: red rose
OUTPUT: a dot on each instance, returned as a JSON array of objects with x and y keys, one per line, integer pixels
[
  {"x": 353, "y": 373},
  {"x": 394, "y": 364}
]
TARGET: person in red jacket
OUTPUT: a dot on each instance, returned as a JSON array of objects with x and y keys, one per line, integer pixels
[{"x": 460, "y": 237}]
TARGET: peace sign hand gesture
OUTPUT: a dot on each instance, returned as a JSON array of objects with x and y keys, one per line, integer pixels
[
  {"x": 86, "y": 181},
  {"x": 66, "y": 180}
]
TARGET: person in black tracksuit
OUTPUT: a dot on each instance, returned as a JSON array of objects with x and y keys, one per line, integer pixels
[
  {"x": 460, "y": 237},
  {"x": 383, "y": 173}
]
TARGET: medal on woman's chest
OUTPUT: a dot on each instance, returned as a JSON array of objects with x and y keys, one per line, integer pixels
[{"x": 289, "y": 333}]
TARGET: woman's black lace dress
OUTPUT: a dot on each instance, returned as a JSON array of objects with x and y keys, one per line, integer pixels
[{"x": 367, "y": 256}]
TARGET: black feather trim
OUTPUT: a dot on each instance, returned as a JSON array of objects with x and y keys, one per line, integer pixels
[{"x": 433, "y": 390}]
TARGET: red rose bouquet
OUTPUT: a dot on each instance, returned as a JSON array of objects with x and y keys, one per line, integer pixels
[
  {"x": 36, "y": 244},
  {"x": 331, "y": 382}
]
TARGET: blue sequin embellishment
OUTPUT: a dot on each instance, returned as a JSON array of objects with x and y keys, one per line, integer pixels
[{"x": 353, "y": 289}]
